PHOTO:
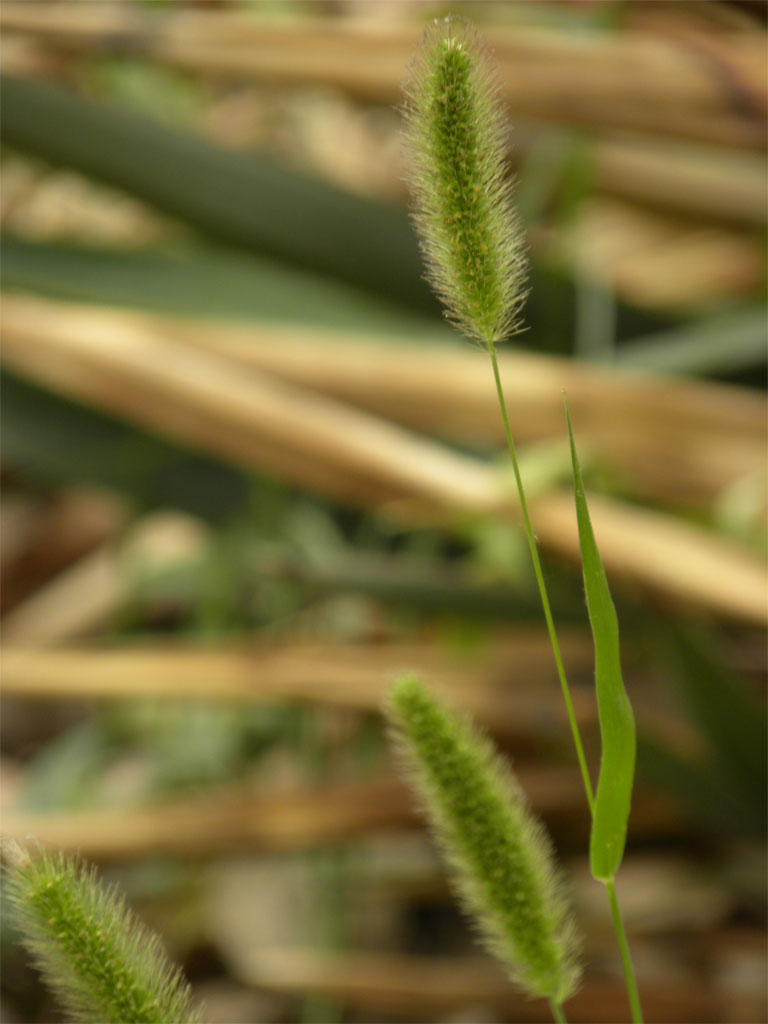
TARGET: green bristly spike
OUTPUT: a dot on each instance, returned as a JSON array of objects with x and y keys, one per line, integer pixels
[
  {"x": 456, "y": 142},
  {"x": 501, "y": 858},
  {"x": 101, "y": 962}
]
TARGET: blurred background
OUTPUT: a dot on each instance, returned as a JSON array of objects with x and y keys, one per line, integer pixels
[{"x": 249, "y": 475}]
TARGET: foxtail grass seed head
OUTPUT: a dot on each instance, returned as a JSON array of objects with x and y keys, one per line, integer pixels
[
  {"x": 455, "y": 140},
  {"x": 502, "y": 861},
  {"x": 100, "y": 961}
]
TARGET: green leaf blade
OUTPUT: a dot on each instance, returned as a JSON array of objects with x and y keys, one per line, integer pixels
[
  {"x": 245, "y": 200},
  {"x": 617, "y": 721}
]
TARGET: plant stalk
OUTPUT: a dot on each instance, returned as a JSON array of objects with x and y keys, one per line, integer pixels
[
  {"x": 618, "y": 923},
  {"x": 626, "y": 957},
  {"x": 557, "y": 1012},
  {"x": 543, "y": 589}
]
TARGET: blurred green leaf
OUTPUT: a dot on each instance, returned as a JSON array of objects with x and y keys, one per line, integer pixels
[
  {"x": 140, "y": 84},
  {"x": 703, "y": 794},
  {"x": 215, "y": 282},
  {"x": 183, "y": 746},
  {"x": 254, "y": 203},
  {"x": 65, "y": 774},
  {"x": 240, "y": 198},
  {"x": 54, "y": 441},
  {"x": 732, "y": 722},
  {"x": 204, "y": 282},
  {"x": 724, "y": 342}
]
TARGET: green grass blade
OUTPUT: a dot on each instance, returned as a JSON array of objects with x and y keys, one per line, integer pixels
[
  {"x": 230, "y": 284},
  {"x": 206, "y": 281},
  {"x": 697, "y": 347},
  {"x": 617, "y": 723},
  {"x": 242, "y": 199}
]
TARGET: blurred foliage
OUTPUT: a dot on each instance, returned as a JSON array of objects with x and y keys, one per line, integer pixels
[
  {"x": 204, "y": 282},
  {"x": 721, "y": 786},
  {"x": 51, "y": 440},
  {"x": 242, "y": 199},
  {"x": 728, "y": 783}
]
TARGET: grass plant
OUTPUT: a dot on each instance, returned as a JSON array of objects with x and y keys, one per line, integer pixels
[
  {"x": 464, "y": 214},
  {"x": 99, "y": 960}
]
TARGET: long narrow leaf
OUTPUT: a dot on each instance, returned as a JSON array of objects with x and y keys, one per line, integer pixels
[
  {"x": 204, "y": 281},
  {"x": 235, "y": 285},
  {"x": 240, "y": 198},
  {"x": 617, "y": 723},
  {"x": 697, "y": 347}
]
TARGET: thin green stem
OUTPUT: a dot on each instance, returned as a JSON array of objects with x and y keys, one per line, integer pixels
[
  {"x": 543, "y": 590},
  {"x": 626, "y": 957},
  {"x": 618, "y": 924},
  {"x": 557, "y": 1012}
]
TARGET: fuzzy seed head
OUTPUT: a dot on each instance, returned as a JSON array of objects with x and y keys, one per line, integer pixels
[
  {"x": 455, "y": 145},
  {"x": 502, "y": 861},
  {"x": 102, "y": 963}
]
